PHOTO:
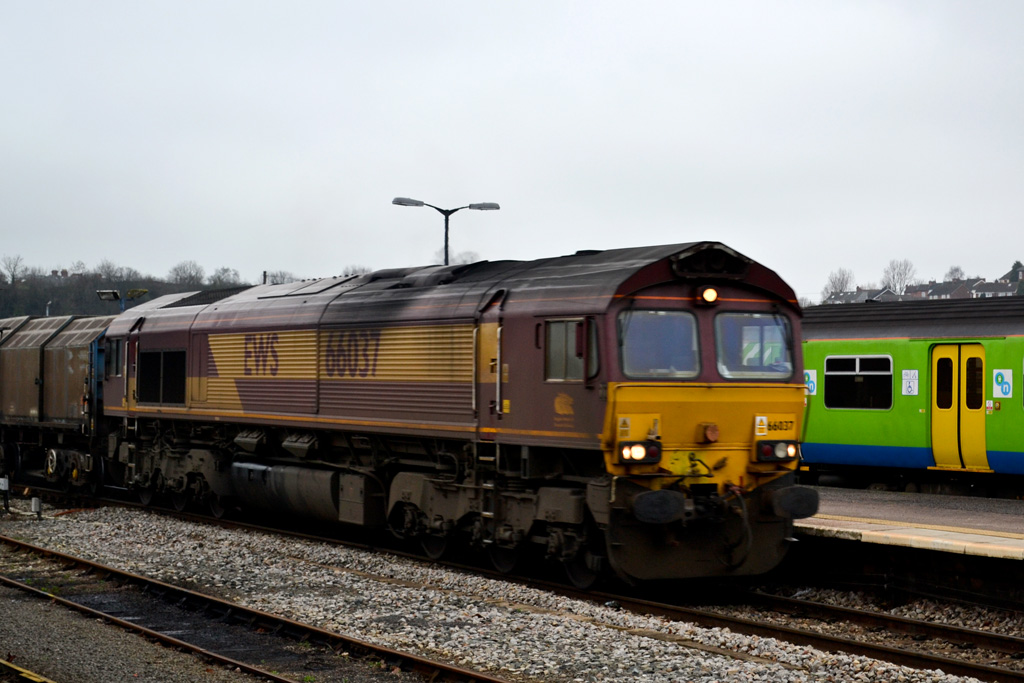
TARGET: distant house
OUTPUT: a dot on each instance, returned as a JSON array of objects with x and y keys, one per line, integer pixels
[
  {"x": 861, "y": 295},
  {"x": 1015, "y": 275},
  {"x": 986, "y": 290},
  {"x": 955, "y": 289},
  {"x": 918, "y": 291}
]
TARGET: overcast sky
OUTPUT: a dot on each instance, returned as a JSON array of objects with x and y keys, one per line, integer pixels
[{"x": 260, "y": 135}]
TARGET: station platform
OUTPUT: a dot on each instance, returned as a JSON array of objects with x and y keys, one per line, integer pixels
[{"x": 986, "y": 527}]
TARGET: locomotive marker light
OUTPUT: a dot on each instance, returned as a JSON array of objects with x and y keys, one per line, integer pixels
[
  {"x": 483, "y": 206},
  {"x": 639, "y": 452},
  {"x": 776, "y": 451}
]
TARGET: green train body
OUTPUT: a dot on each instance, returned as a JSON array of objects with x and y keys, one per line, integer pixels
[{"x": 910, "y": 392}]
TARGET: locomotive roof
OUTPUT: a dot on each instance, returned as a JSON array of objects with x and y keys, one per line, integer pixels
[
  {"x": 929, "y": 318},
  {"x": 581, "y": 283}
]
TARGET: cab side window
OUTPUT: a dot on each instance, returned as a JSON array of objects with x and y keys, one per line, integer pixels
[{"x": 565, "y": 348}]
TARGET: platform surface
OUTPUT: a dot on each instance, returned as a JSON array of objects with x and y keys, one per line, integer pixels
[{"x": 988, "y": 527}]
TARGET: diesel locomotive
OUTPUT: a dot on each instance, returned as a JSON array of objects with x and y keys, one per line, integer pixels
[
  {"x": 631, "y": 412},
  {"x": 917, "y": 395}
]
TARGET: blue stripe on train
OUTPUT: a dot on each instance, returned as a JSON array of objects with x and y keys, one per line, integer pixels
[
  {"x": 874, "y": 456},
  {"x": 1004, "y": 462}
]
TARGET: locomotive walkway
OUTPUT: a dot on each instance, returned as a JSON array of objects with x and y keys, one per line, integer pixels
[{"x": 983, "y": 527}]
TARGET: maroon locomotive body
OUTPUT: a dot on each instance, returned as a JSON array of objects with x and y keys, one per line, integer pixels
[{"x": 633, "y": 410}]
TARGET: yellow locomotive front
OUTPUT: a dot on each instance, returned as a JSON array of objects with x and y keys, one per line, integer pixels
[{"x": 700, "y": 434}]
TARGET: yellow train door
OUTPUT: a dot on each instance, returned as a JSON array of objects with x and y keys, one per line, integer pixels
[{"x": 958, "y": 407}]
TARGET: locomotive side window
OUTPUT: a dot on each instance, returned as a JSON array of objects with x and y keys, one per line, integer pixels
[
  {"x": 161, "y": 377},
  {"x": 565, "y": 349},
  {"x": 753, "y": 346},
  {"x": 659, "y": 344},
  {"x": 863, "y": 382},
  {"x": 113, "y": 358}
]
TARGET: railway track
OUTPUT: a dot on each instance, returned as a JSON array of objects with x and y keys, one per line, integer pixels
[
  {"x": 906, "y": 642},
  {"x": 909, "y": 642},
  {"x": 191, "y": 621}
]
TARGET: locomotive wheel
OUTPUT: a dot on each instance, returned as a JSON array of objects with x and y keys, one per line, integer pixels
[
  {"x": 503, "y": 559},
  {"x": 580, "y": 575},
  {"x": 52, "y": 463},
  {"x": 434, "y": 546},
  {"x": 179, "y": 501},
  {"x": 216, "y": 505},
  {"x": 146, "y": 495}
]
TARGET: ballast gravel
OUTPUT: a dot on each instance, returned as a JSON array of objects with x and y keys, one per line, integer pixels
[{"x": 476, "y": 622}]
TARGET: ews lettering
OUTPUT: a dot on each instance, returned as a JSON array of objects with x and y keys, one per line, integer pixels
[
  {"x": 261, "y": 354},
  {"x": 352, "y": 354}
]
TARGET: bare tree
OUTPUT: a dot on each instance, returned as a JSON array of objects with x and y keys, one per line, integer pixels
[
  {"x": 224, "y": 277},
  {"x": 354, "y": 270},
  {"x": 954, "y": 273},
  {"x": 279, "y": 277},
  {"x": 898, "y": 274},
  {"x": 839, "y": 281},
  {"x": 462, "y": 258},
  {"x": 108, "y": 270},
  {"x": 187, "y": 273},
  {"x": 13, "y": 267}
]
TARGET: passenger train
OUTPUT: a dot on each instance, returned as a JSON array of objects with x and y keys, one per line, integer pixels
[{"x": 917, "y": 395}]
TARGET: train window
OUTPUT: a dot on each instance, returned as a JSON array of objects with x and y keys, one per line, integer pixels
[
  {"x": 112, "y": 356},
  {"x": 975, "y": 381},
  {"x": 944, "y": 383},
  {"x": 658, "y": 344},
  {"x": 161, "y": 377},
  {"x": 863, "y": 382},
  {"x": 841, "y": 365},
  {"x": 753, "y": 346},
  {"x": 563, "y": 360}
]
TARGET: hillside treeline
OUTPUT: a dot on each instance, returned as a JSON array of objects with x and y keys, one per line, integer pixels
[{"x": 26, "y": 290}]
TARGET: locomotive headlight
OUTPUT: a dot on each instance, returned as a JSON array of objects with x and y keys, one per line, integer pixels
[
  {"x": 633, "y": 452},
  {"x": 707, "y": 295}
]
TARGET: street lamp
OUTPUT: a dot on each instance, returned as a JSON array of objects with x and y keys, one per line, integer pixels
[
  {"x": 483, "y": 206},
  {"x": 115, "y": 295}
]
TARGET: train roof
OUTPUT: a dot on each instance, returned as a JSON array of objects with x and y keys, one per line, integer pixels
[
  {"x": 8, "y": 326},
  {"x": 582, "y": 283},
  {"x": 929, "y": 318}
]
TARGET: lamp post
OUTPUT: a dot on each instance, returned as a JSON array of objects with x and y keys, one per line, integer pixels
[
  {"x": 115, "y": 295},
  {"x": 483, "y": 206}
]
